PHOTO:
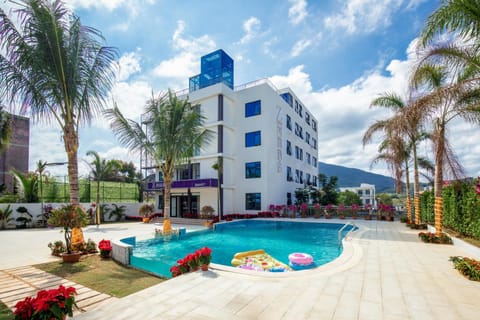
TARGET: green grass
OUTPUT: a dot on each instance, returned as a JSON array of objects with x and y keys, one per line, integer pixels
[
  {"x": 5, "y": 313},
  {"x": 103, "y": 275}
]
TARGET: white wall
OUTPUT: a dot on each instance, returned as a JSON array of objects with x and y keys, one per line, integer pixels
[{"x": 35, "y": 209}]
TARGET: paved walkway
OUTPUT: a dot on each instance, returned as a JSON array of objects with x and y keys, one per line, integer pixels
[
  {"x": 384, "y": 273},
  {"x": 18, "y": 283}
]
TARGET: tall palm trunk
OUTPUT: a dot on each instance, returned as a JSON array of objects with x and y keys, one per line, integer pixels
[
  {"x": 416, "y": 185},
  {"x": 70, "y": 139},
  {"x": 438, "y": 182},
  {"x": 407, "y": 191},
  {"x": 166, "y": 207}
]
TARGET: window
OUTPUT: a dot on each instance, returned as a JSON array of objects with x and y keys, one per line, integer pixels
[
  {"x": 288, "y": 98},
  {"x": 314, "y": 183},
  {"x": 308, "y": 178},
  {"x": 297, "y": 176},
  {"x": 253, "y": 170},
  {"x": 289, "y": 174},
  {"x": 298, "y": 130},
  {"x": 289, "y": 148},
  {"x": 253, "y": 139},
  {"x": 307, "y": 118},
  {"x": 298, "y": 153},
  {"x": 253, "y": 108},
  {"x": 289, "y": 122},
  {"x": 367, "y": 192},
  {"x": 301, "y": 177},
  {"x": 252, "y": 201},
  {"x": 314, "y": 143},
  {"x": 314, "y": 162},
  {"x": 307, "y": 137},
  {"x": 314, "y": 125},
  {"x": 160, "y": 176},
  {"x": 300, "y": 110},
  {"x": 308, "y": 157}
]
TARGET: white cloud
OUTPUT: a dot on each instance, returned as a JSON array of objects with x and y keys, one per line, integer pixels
[
  {"x": 268, "y": 45},
  {"x": 251, "y": 26},
  {"x": 129, "y": 63},
  {"x": 132, "y": 5},
  {"x": 186, "y": 61},
  {"x": 343, "y": 113},
  {"x": 299, "y": 46},
  {"x": 363, "y": 16},
  {"x": 298, "y": 11}
]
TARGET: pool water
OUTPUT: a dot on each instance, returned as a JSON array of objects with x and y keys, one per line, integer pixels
[{"x": 277, "y": 238}]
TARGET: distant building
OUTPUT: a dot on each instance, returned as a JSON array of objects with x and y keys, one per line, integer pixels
[
  {"x": 267, "y": 138},
  {"x": 16, "y": 155},
  {"x": 366, "y": 192}
]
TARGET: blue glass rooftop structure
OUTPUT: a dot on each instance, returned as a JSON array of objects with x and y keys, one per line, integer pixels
[{"x": 216, "y": 67}]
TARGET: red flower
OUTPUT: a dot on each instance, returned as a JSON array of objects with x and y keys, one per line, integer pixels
[{"x": 105, "y": 245}]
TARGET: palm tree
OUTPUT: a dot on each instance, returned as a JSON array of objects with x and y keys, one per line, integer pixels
[
  {"x": 444, "y": 99},
  {"x": 393, "y": 149},
  {"x": 26, "y": 184},
  {"x": 56, "y": 69},
  {"x": 5, "y": 129},
  {"x": 175, "y": 130},
  {"x": 100, "y": 170},
  {"x": 455, "y": 16}
]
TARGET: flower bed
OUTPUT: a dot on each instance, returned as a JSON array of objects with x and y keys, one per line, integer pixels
[
  {"x": 48, "y": 304},
  {"x": 191, "y": 262},
  {"x": 470, "y": 268},
  {"x": 430, "y": 237}
]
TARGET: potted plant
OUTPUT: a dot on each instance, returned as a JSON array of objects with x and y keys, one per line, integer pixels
[
  {"x": 317, "y": 211},
  {"x": 105, "y": 248},
  {"x": 206, "y": 212},
  {"x": 329, "y": 208},
  {"x": 205, "y": 256},
  {"x": 48, "y": 304},
  {"x": 145, "y": 211},
  {"x": 57, "y": 247},
  {"x": 69, "y": 217},
  {"x": 304, "y": 210},
  {"x": 25, "y": 217},
  {"x": 355, "y": 208}
]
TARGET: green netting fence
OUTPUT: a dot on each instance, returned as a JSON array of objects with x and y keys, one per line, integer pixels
[{"x": 58, "y": 190}]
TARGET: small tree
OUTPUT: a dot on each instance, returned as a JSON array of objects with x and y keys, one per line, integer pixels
[{"x": 69, "y": 217}]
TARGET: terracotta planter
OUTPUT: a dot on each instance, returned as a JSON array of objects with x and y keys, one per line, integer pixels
[
  {"x": 71, "y": 257},
  {"x": 146, "y": 220},
  {"x": 204, "y": 267}
]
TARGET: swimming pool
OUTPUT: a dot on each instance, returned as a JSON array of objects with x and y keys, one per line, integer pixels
[{"x": 278, "y": 238}]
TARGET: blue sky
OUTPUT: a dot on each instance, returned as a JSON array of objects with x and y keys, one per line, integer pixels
[{"x": 337, "y": 55}]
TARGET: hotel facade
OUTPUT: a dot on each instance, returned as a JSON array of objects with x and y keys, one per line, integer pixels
[{"x": 265, "y": 139}]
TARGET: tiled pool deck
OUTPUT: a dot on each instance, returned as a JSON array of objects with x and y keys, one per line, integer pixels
[{"x": 385, "y": 273}]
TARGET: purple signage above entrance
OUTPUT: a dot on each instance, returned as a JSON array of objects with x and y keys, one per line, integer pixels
[{"x": 195, "y": 183}]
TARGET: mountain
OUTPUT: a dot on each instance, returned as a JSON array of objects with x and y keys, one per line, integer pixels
[{"x": 351, "y": 177}]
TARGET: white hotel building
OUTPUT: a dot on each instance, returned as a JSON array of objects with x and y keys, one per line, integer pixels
[{"x": 266, "y": 137}]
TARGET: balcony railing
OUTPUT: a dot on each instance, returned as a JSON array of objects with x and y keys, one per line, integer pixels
[{"x": 194, "y": 183}]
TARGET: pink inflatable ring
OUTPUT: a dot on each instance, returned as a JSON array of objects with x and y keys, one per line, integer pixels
[{"x": 302, "y": 259}]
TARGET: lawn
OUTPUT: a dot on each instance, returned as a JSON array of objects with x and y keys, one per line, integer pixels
[
  {"x": 103, "y": 275},
  {"x": 5, "y": 313}
]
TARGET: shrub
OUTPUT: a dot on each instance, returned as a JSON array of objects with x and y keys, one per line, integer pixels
[
  {"x": 430, "y": 237},
  {"x": 470, "y": 268},
  {"x": 57, "y": 247}
]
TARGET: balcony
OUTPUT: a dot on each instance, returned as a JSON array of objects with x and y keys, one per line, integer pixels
[{"x": 182, "y": 184}]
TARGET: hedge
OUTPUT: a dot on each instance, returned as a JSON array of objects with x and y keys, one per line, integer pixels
[{"x": 461, "y": 208}]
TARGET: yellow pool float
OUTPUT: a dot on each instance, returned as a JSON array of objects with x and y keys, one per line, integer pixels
[{"x": 258, "y": 260}]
